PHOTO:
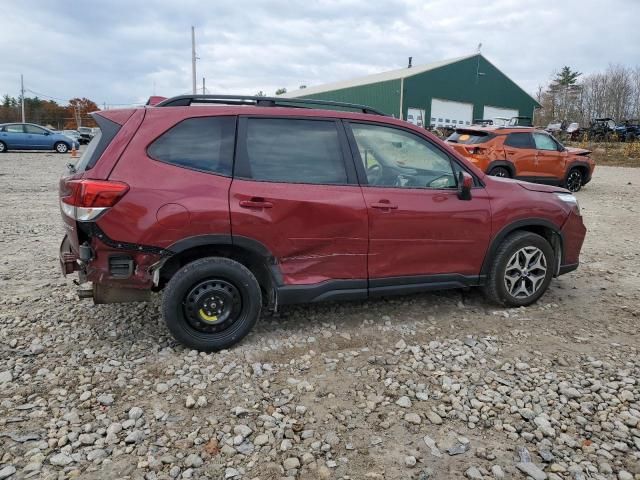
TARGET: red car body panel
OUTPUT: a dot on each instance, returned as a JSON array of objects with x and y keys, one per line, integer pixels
[{"x": 315, "y": 233}]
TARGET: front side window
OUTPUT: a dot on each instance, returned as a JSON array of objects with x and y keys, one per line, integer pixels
[
  {"x": 34, "y": 130},
  {"x": 397, "y": 158},
  {"x": 294, "y": 151},
  {"x": 545, "y": 142},
  {"x": 519, "y": 140},
  {"x": 203, "y": 143}
]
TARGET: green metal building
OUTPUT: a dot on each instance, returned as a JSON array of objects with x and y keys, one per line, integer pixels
[{"x": 449, "y": 93}]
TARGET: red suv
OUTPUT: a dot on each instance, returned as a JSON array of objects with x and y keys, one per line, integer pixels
[{"x": 246, "y": 203}]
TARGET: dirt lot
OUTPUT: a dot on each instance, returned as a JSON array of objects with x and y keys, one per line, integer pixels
[{"x": 422, "y": 387}]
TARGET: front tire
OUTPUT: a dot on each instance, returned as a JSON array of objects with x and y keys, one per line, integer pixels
[
  {"x": 61, "y": 147},
  {"x": 211, "y": 304},
  {"x": 574, "y": 181},
  {"x": 500, "y": 172},
  {"x": 522, "y": 270}
]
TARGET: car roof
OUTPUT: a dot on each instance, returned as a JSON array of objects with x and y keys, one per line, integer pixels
[{"x": 499, "y": 130}]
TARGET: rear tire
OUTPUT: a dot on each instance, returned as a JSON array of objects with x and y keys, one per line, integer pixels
[
  {"x": 61, "y": 147},
  {"x": 574, "y": 180},
  {"x": 211, "y": 304},
  {"x": 500, "y": 172},
  {"x": 522, "y": 270},
  {"x": 3, "y": 147}
]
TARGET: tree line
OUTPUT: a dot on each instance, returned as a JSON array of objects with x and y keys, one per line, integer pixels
[
  {"x": 48, "y": 112},
  {"x": 574, "y": 97}
]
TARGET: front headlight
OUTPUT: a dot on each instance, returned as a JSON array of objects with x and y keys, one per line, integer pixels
[{"x": 570, "y": 199}]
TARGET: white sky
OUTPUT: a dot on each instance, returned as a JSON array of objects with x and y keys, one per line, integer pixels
[{"x": 116, "y": 51}]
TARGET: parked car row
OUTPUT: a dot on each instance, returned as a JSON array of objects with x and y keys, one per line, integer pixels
[
  {"x": 600, "y": 130},
  {"x": 27, "y": 136}
]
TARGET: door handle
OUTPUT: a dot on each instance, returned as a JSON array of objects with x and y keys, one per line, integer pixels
[
  {"x": 256, "y": 203},
  {"x": 384, "y": 205}
]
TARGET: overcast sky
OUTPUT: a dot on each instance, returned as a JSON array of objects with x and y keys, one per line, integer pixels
[{"x": 119, "y": 51}]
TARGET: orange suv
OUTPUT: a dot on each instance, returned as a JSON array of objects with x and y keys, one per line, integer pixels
[{"x": 524, "y": 153}]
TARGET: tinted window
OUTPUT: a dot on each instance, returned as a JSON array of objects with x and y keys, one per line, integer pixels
[
  {"x": 519, "y": 140},
  {"x": 204, "y": 143},
  {"x": 545, "y": 142},
  {"x": 469, "y": 137},
  {"x": 294, "y": 151},
  {"x": 397, "y": 158},
  {"x": 34, "y": 130},
  {"x": 14, "y": 129}
]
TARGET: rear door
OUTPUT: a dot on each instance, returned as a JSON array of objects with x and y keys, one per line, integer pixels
[
  {"x": 295, "y": 191},
  {"x": 550, "y": 157},
  {"x": 520, "y": 150},
  {"x": 418, "y": 227},
  {"x": 13, "y": 135}
]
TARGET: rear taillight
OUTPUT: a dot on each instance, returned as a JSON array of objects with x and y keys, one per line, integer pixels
[{"x": 85, "y": 200}]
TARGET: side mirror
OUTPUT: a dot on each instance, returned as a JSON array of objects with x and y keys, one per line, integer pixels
[
  {"x": 465, "y": 183},
  {"x": 47, "y": 133}
]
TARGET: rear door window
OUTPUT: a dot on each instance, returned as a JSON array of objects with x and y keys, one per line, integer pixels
[
  {"x": 14, "y": 129},
  {"x": 293, "y": 151},
  {"x": 519, "y": 140},
  {"x": 203, "y": 143}
]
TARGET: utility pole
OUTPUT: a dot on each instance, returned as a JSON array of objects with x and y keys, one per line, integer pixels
[
  {"x": 203, "y": 89},
  {"x": 193, "y": 58},
  {"x": 22, "y": 95}
]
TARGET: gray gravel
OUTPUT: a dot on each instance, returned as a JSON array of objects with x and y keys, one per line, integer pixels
[{"x": 431, "y": 386}]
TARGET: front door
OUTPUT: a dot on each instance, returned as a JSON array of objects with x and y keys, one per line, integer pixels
[
  {"x": 38, "y": 138},
  {"x": 550, "y": 157},
  {"x": 417, "y": 224},
  {"x": 295, "y": 191}
]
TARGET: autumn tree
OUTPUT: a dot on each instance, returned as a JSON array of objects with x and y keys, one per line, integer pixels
[{"x": 78, "y": 112}]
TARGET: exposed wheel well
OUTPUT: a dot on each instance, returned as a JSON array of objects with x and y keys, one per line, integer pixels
[{"x": 256, "y": 263}]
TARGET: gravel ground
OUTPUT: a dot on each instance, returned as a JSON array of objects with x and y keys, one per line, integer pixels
[{"x": 427, "y": 386}]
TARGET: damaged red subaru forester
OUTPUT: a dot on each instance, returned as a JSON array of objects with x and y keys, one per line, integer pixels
[{"x": 250, "y": 202}]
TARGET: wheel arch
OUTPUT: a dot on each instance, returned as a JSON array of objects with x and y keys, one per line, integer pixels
[
  {"x": 502, "y": 163},
  {"x": 584, "y": 166},
  {"x": 250, "y": 253},
  {"x": 539, "y": 226}
]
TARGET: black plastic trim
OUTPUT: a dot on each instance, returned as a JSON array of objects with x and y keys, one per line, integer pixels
[
  {"x": 108, "y": 130},
  {"x": 568, "y": 268},
  {"x": 379, "y": 287},
  {"x": 320, "y": 292},
  {"x": 512, "y": 227},
  {"x": 93, "y": 230},
  {"x": 542, "y": 180}
]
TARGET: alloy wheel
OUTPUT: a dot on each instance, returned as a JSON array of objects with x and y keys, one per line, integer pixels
[
  {"x": 525, "y": 272},
  {"x": 574, "y": 181}
]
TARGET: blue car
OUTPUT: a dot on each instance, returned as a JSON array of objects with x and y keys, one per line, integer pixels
[{"x": 26, "y": 136}]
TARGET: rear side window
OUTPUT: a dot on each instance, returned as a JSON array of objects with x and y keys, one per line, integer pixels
[
  {"x": 204, "y": 143},
  {"x": 519, "y": 140},
  {"x": 469, "y": 137},
  {"x": 294, "y": 151}
]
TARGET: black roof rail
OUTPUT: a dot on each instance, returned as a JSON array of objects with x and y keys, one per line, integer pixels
[{"x": 187, "y": 100}]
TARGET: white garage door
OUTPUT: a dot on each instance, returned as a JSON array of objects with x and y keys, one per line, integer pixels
[
  {"x": 445, "y": 113},
  {"x": 493, "y": 113}
]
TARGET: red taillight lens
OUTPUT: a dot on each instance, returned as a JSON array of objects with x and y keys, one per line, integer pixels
[{"x": 92, "y": 193}]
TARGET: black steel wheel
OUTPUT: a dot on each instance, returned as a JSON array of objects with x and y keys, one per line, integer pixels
[{"x": 211, "y": 303}]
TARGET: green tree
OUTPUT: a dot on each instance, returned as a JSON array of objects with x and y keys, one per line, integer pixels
[
  {"x": 260, "y": 94},
  {"x": 566, "y": 77},
  {"x": 280, "y": 91}
]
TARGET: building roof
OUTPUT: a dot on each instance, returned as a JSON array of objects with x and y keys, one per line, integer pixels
[
  {"x": 375, "y": 78},
  {"x": 390, "y": 75}
]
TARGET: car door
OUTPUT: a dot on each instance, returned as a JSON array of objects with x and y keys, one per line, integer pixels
[
  {"x": 551, "y": 157},
  {"x": 419, "y": 230},
  {"x": 38, "y": 138},
  {"x": 520, "y": 150},
  {"x": 295, "y": 191},
  {"x": 13, "y": 135}
]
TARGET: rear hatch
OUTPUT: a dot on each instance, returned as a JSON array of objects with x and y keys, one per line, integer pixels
[
  {"x": 84, "y": 190},
  {"x": 470, "y": 142}
]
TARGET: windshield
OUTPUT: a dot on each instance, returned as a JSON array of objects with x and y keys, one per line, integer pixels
[{"x": 469, "y": 137}]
